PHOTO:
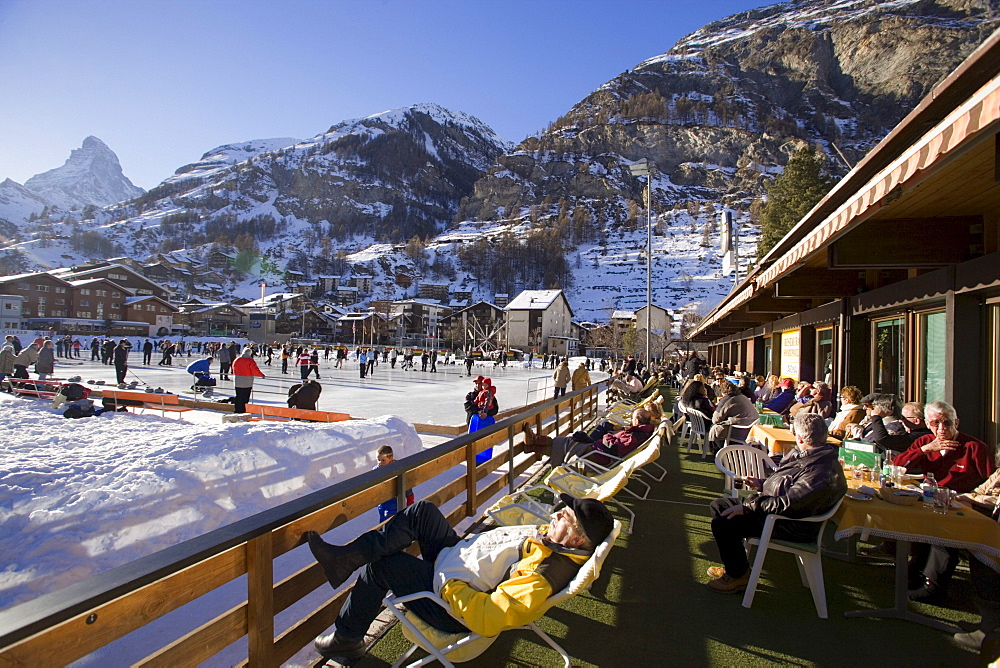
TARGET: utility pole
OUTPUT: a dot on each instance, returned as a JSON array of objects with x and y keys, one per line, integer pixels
[{"x": 645, "y": 168}]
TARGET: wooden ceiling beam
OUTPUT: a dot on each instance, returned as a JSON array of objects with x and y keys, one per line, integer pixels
[
  {"x": 765, "y": 305},
  {"x": 819, "y": 283},
  {"x": 907, "y": 243}
]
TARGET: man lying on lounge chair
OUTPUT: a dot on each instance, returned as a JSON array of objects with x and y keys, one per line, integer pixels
[{"x": 492, "y": 581}]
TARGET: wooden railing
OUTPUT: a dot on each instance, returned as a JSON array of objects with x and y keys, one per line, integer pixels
[{"x": 68, "y": 624}]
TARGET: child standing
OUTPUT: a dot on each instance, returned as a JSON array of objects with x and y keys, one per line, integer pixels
[{"x": 388, "y": 508}]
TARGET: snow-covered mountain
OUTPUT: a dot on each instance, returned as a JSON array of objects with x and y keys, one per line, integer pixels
[
  {"x": 227, "y": 155},
  {"x": 91, "y": 175}
]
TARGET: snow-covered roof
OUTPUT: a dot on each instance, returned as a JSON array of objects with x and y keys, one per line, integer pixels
[
  {"x": 534, "y": 299},
  {"x": 271, "y": 300},
  {"x": 623, "y": 315},
  {"x": 91, "y": 281}
]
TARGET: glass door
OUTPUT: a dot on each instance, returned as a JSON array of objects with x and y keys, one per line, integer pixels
[
  {"x": 931, "y": 347},
  {"x": 824, "y": 355},
  {"x": 768, "y": 357},
  {"x": 888, "y": 359}
]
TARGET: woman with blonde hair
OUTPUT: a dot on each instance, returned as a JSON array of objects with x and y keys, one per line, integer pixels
[{"x": 769, "y": 389}]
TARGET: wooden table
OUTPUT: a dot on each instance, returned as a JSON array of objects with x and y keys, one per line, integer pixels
[
  {"x": 963, "y": 528},
  {"x": 777, "y": 439}
]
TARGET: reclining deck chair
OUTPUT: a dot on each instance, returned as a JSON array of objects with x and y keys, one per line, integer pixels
[
  {"x": 621, "y": 411},
  {"x": 460, "y": 647},
  {"x": 666, "y": 432},
  {"x": 634, "y": 397},
  {"x": 522, "y": 508}
]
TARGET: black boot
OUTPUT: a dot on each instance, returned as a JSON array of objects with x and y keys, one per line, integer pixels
[
  {"x": 338, "y": 562},
  {"x": 337, "y": 648}
]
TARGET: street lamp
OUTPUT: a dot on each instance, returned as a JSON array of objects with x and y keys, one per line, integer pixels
[{"x": 645, "y": 168}]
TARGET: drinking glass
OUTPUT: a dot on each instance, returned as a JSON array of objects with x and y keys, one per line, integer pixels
[{"x": 941, "y": 500}]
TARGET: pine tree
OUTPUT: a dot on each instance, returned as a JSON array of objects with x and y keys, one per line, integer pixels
[{"x": 791, "y": 196}]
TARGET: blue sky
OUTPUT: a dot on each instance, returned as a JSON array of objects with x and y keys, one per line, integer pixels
[{"x": 163, "y": 81}]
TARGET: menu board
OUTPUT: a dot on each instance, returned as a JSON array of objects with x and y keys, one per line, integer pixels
[{"x": 790, "y": 357}]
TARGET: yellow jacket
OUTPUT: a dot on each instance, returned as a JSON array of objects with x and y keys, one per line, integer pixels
[{"x": 471, "y": 578}]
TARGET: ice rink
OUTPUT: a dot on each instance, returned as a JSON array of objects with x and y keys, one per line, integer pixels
[{"x": 415, "y": 395}]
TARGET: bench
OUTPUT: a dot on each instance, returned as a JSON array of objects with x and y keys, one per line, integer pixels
[
  {"x": 39, "y": 389},
  {"x": 147, "y": 400},
  {"x": 282, "y": 414}
]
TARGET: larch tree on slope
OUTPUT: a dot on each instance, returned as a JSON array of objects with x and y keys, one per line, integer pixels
[{"x": 790, "y": 197}]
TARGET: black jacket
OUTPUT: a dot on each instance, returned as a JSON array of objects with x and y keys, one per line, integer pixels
[
  {"x": 881, "y": 437},
  {"x": 806, "y": 483},
  {"x": 304, "y": 395}
]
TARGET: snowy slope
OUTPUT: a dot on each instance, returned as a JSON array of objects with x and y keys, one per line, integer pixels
[{"x": 17, "y": 203}]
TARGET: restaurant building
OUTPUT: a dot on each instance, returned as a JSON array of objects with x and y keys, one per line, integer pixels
[{"x": 892, "y": 281}]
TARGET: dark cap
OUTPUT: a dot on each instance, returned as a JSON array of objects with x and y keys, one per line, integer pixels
[
  {"x": 593, "y": 516},
  {"x": 869, "y": 398}
]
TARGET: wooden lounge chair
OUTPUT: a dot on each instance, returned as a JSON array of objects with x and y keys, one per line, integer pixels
[{"x": 450, "y": 648}]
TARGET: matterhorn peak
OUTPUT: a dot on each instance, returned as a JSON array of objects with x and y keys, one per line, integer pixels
[{"x": 91, "y": 175}]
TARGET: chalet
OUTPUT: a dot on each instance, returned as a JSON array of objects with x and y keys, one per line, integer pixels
[
  {"x": 212, "y": 319},
  {"x": 148, "y": 315},
  {"x": 45, "y": 295},
  {"x": 435, "y": 291},
  {"x": 660, "y": 322},
  {"x": 535, "y": 315},
  {"x": 418, "y": 318},
  {"x": 124, "y": 276}
]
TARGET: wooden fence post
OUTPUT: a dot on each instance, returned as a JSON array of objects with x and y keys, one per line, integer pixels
[
  {"x": 470, "y": 479},
  {"x": 260, "y": 602},
  {"x": 510, "y": 459}
]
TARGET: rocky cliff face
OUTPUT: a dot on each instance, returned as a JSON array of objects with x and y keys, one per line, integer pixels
[
  {"x": 724, "y": 108},
  {"x": 91, "y": 176}
]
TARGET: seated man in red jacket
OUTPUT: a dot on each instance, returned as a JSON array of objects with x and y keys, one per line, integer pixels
[
  {"x": 617, "y": 443},
  {"x": 958, "y": 462}
]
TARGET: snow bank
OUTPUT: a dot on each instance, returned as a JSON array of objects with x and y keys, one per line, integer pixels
[{"x": 78, "y": 497}]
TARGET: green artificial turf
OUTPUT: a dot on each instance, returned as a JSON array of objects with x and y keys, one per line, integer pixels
[{"x": 651, "y": 607}]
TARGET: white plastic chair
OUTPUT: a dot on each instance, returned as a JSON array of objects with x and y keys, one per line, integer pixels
[
  {"x": 737, "y": 434},
  {"x": 808, "y": 556},
  {"x": 699, "y": 431},
  {"x": 684, "y": 422},
  {"x": 741, "y": 461},
  {"x": 460, "y": 647}
]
